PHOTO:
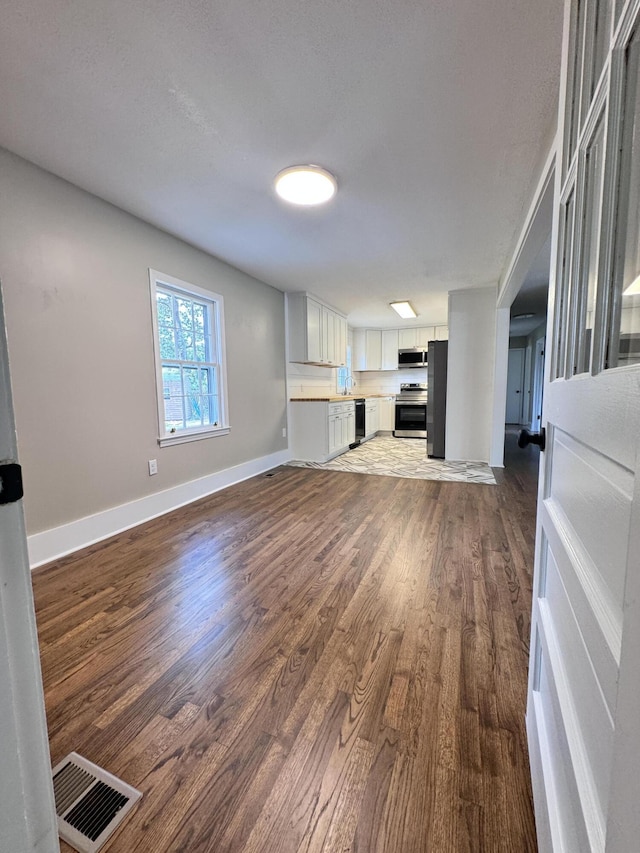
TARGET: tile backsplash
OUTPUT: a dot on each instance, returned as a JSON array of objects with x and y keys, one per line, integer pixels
[{"x": 306, "y": 379}]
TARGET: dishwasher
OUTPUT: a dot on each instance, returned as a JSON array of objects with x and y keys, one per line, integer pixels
[{"x": 360, "y": 422}]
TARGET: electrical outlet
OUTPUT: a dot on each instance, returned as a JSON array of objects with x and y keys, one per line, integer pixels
[
  {"x": 284, "y": 432},
  {"x": 153, "y": 467}
]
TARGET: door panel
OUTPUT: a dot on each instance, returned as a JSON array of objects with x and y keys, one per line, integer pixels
[
  {"x": 584, "y": 689},
  {"x": 27, "y": 808}
]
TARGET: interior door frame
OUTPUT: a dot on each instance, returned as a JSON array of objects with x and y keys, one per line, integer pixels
[
  {"x": 538, "y": 385},
  {"x": 27, "y": 810},
  {"x": 613, "y": 822}
]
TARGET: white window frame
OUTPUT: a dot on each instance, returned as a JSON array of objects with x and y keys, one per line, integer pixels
[{"x": 161, "y": 281}]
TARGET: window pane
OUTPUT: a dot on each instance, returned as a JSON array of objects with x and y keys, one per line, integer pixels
[
  {"x": 624, "y": 342},
  {"x": 590, "y": 251},
  {"x": 199, "y": 332},
  {"x": 209, "y": 404},
  {"x": 562, "y": 325},
  {"x": 574, "y": 95},
  {"x": 193, "y": 409},
  {"x": 173, "y": 398},
  {"x": 602, "y": 37},
  {"x": 167, "y": 342},
  {"x": 163, "y": 302},
  {"x": 185, "y": 307}
]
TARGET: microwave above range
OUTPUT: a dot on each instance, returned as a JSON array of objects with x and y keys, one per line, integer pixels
[{"x": 414, "y": 357}]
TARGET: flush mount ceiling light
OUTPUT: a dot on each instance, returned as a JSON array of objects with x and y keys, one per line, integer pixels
[
  {"x": 404, "y": 309},
  {"x": 527, "y": 316},
  {"x": 305, "y": 185}
]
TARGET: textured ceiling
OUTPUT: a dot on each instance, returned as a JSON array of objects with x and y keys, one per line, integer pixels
[{"x": 432, "y": 115}]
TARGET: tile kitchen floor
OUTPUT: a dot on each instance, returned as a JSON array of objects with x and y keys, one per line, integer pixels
[{"x": 403, "y": 457}]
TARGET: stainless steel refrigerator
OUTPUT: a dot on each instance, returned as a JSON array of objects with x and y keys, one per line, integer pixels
[{"x": 437, "y": 400}]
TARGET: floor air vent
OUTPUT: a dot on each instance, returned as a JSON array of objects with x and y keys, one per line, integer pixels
[{"x": 90, "y": 803}]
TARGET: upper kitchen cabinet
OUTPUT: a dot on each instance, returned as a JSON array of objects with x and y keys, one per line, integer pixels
[
  {"x": 375, "y": 349},
  {"x": 390, "y": 347},
  {"x": 317, "y": 333},
  {"x": 421, "y": 335}
]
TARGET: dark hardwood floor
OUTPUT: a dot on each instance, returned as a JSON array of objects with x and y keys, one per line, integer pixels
[{"x": 309, "y": 661}]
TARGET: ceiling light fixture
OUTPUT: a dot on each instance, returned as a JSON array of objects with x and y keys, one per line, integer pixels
[
  {"x": 633, "y": 289},
  {"x": 404, "y": 309},
  {"x": 527, "y": 316},
  {"x": 305, "y": 185}
]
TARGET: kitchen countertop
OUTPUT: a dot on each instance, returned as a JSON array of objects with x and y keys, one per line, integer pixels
[{"x": 337, "y": 398}]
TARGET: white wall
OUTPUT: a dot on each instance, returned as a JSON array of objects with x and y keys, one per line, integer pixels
[
  {"x": 75, "y": 277},
  {"x": 471, "y": 373}
]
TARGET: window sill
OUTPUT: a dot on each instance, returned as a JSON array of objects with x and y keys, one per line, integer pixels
[{"x": 196, "y": 435}]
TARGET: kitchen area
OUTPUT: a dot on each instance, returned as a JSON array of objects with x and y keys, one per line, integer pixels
[{"x": 347, "y": 386}]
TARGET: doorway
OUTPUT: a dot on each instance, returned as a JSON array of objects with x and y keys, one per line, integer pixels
[{"x": 515, "y": 386}]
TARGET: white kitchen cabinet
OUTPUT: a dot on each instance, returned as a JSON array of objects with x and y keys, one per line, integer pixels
[
  {"x": 341, "y": 340},
  {"x": 349, "y": 428},
  {"x": 416, "y": 337},
  {"x": 424, "y": 334},
  {"x": 407, "y": 338},
  {"x": 386, "y": 413},
  {"x": 358, "y": 352},
  {"x": 317, "y": 333},
  {"x": 320, "y": 430},
  {"x": 371, "y": 418},
  {"x": 373, "y": 349},
  {"x": 442, "y": 333},
  {"x": 389, "y": 349},
  {"x": 313, "y": 330},
  {"x": 328, "y": 335},
  {"x": 377, "y": 349}
]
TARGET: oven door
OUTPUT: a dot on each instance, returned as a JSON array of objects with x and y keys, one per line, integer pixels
[{"x": 411, "y": 419}]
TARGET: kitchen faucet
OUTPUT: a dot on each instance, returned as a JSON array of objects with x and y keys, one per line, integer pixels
[{"x": 348, "y": 379}]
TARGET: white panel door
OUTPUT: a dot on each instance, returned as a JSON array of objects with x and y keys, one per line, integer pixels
[
  {"x": 27, "y": 812},
  {"x": 515, "y": 386},
  {"x": 583, "y": 712}
]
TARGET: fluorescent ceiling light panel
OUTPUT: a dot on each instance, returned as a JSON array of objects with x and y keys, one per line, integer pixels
[
  {"x": 633, "y": 289},
  {"x": 404, "y": 309},
  {"x": 305, "y": 185}
]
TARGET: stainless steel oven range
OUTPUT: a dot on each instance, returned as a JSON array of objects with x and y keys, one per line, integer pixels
[{"x": 411, "y": 411}]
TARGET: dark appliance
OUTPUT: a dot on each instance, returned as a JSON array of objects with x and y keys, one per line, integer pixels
[
  {"x": 437, "y": 408},
  {"x": 411, "y": 411},
  {"x": 414, "y": 357},
  {"x": 360, "y": 422}
]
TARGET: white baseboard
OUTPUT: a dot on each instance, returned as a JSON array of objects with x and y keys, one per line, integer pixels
[{"x": 60, "y": 541}]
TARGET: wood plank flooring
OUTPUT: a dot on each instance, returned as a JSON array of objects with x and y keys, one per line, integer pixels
[{"x": 309, "y": 661}]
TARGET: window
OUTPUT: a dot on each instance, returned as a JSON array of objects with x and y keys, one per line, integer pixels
[
  {"x": 190, "y": 360},
  {"x": 344, "y": 379}
]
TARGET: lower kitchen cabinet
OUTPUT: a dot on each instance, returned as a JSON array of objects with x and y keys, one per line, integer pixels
[
  {"x": 371, "y": 418},
  {"x": 386, "y": 414},
  {"x": 320, "y": 430}
]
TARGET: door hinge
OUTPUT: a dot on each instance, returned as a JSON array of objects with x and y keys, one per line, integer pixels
[{"x": 11, "y": 489}]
